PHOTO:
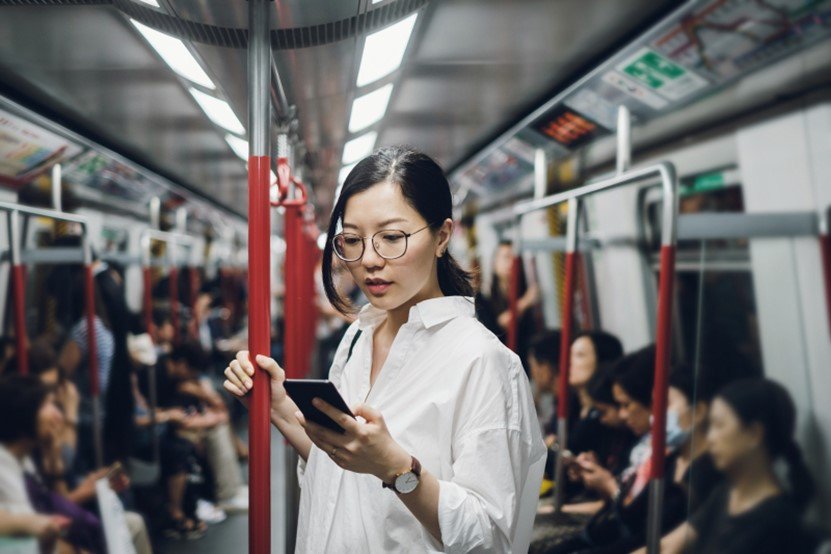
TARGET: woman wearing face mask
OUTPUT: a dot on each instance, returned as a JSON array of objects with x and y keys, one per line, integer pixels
[
  {"x": 446, "y": 418},
  {"x": 751, "y": 425},
  {"x": 620, "y": 524}
]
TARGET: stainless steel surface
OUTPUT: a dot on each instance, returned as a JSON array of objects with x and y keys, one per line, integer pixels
[
  {"x": 97, "y": 431},
  {"x": 706, "y": 226},
  {"x": 13, "y": 219},
  {"x": 259, "y": 78},
  {"x": 624, "y": 140},
  {"x": 559, "y": 467},
  {"x": 42, "y": 212},
  {"x": 575, "y": 205},
  {"x": 57, "y": 203},
  {"x": 653, "y": 524},
  {"x": 155, "y": 213},
  {"x": 540, "y": 173}
]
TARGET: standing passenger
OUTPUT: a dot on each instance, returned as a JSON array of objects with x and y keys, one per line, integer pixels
[{"x": 452, "y": 396}]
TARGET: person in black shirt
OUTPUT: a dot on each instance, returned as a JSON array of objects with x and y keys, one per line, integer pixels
[{"x": 752, "y": 424}]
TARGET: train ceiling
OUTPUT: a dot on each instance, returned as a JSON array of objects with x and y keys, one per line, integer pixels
[
  {"x": 472, "y": 67},
  {"x": 471, "y": 70}
]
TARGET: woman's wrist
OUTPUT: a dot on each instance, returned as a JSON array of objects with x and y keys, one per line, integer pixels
[{"x": 399, "y": 462}]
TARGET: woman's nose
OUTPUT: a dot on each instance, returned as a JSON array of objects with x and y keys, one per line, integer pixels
[{"x": 371, "y": 257}]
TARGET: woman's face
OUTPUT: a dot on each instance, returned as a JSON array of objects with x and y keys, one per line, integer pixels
[
  {"x": 503, "y": 260},
  {"x": 634, "y": 414},
  {"x": 583, "y": 362},
  {"x": 728, "y": 439},
  {"x": 404, "y": 281},
  {"x": 49, "y": 419}
]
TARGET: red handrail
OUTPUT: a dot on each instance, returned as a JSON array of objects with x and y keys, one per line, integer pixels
[
  {"x": 21, "y": 341},
  {"x": 259, "y": 343}
]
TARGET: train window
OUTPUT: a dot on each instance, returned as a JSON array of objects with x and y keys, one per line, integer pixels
[{"x": 715, "y": 321}]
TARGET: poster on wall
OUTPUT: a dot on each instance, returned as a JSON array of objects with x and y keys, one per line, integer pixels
[{"x": 27, "y": 151}]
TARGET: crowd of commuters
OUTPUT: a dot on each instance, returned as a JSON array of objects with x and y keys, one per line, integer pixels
[
  {"x": 161, "y": 410},
  {"x": 162, "y": 420}
]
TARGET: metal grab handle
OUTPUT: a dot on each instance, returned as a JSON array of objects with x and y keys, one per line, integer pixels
[
  {"x": 666, "y": 173},
  {"x": 283, "y": 200}
]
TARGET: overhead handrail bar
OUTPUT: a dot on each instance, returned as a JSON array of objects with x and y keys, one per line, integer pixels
[
  {"x": 259, "y": 274},
  {"x": 665, "y": 171},
  {"x": 14, "y": 212}
]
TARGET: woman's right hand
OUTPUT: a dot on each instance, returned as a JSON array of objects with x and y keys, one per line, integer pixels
[{"x": 239, "y": 377}]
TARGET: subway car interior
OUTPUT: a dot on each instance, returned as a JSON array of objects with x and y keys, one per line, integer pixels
[{"x": 640, "y": 198}]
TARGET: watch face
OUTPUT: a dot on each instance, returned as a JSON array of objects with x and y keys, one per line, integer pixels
[{"x": 406, "y": 483}]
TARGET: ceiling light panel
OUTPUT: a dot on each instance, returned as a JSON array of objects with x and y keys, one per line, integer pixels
[
  {"x": 153, "y": 3},
  {"x": 384, "y": 51},
  {"x": 369, "y": 108},
  {"x": 175, "y": 54},
  {"x": 359, "y": 148},
  {"x": 219, "y": 111},
  {"x": 238, "y": 145}
]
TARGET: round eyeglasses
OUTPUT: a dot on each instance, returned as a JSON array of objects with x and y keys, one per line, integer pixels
[{"x": 388, "y": 243}]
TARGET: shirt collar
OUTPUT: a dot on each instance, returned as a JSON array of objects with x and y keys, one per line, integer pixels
[{"x": 428, "y": 313}]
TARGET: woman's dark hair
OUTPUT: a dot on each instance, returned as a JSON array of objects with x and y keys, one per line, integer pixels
[
  {"x": 607, "y": 347},
  {"x": 424, "y": 187},
  {"x": 21, "y": 397},
  {"x": 545, "y": 347},
  {"x": 696, "y": 385},
  {"x": 762, "y": 401},
  {"x": 599, "y": 386},
  {"x": 499, "y": 297},
  {"x": 635, "y": 374}
]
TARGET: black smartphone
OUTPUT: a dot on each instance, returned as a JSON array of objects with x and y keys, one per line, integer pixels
[{"x": 302, "y": 391}]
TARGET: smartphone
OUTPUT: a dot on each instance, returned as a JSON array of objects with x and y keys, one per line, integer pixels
[{"x": 302, "y": 391}]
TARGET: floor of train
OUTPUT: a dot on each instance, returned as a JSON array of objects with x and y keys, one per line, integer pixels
[{"x": 232, "y": 534}]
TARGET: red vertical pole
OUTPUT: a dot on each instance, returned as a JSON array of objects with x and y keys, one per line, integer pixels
[
  {"x": 566, "y": 332},
  {"x": 21, "y": 341},
  {"x": 513, "y": 300},
  {"x": 173, "y": 282},
  {"x": 662, "y": 361},
  {"x": 259, "y": 343},
  {"x": 293, "y": 311}
]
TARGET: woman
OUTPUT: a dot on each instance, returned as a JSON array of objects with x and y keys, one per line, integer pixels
[
  {"x": 452, "y": 396},
  {"x": 500, "y": 296},
  {"x": 752, "y": 425},
  {"x": 589, "y": 350}
]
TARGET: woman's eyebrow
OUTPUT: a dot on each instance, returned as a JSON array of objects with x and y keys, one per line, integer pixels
[{"x": 382, "y": 224}]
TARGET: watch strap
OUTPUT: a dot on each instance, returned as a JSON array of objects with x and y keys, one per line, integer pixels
[{"x": 415, "y": 468}]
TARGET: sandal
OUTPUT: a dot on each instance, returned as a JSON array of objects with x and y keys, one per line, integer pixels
[{"x": 184, "y": 528}]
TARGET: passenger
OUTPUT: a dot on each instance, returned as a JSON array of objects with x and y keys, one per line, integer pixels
[
  {"x": 589, "y": 350},
  {"x": 164, "y": 332},
  {"x": 752, "y": 424},
  {"x": 620, "y": 525},
  {"x": 544, "y": 363},
  {"x": 499, "y": 299},
  {"x": 205, "y": 428},
  {"x": 451, "y": 394},
  {"x": 73, "y": 360}
]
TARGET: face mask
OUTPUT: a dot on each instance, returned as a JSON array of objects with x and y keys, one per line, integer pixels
[{"x": 676, "y": 436}]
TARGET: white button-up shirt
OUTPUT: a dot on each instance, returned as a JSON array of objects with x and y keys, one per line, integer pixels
[
  {"x": 457, "y": 399},
  {"x": 13, "y": 496}
]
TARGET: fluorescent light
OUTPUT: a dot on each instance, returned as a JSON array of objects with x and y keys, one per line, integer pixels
[
  {"x": 358, "y": 148},
  {"x": 238, "y": 145},
  {"x": 219, "y": 111},
  {"x": 175, "y": 54},
  {"x": 384, "y": 50},
  {"x": 344, "y": 172},
  {"x": 369, "y": 108},
  {"x": 153, "y": 3}
]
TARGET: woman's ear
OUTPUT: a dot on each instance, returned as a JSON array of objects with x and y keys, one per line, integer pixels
[
  {"x": 444, "y": 234},
  {"x": 756, "y": 433}
]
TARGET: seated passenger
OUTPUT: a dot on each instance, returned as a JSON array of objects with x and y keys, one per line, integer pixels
[
  {"x": 544, "y": 363},
  {"x": 752, "y": 424},
  {"x": 588, "y": 351}
]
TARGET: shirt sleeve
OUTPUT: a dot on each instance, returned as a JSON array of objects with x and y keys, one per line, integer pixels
[{"x": 496, "y": 444}]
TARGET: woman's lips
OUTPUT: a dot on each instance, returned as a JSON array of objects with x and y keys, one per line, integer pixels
[{"x": 378, "y": 288}]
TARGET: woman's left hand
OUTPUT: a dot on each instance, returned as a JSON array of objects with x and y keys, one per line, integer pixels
[{"x": 365, "y": 447}]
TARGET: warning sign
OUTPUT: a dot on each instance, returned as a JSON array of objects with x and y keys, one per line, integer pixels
[{"x": 662, "y": 75}]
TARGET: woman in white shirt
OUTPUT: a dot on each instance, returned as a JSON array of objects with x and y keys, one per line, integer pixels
[{"x": 446, "y": 454}]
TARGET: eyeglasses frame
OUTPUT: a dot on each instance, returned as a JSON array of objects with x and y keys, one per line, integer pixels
[{"x": 363, "y": 243}]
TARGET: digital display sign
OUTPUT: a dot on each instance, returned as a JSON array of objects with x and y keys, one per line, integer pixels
[{"x": 568, "y": 128}]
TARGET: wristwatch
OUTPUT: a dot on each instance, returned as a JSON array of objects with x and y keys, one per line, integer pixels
[{"x": 406, "y": 482}]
